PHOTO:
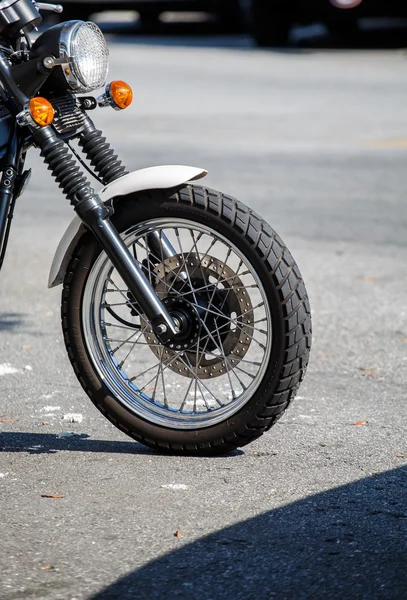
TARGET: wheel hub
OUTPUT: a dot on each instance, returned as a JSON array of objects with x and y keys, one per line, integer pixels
[
  {"x": 215, "y": 312},
  {"x": 187, "y": 320}
]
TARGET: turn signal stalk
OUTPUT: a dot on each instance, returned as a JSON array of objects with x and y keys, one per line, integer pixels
[{"x": 118, "y": 95}]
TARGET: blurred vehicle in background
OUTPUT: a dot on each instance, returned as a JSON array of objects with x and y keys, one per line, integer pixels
[
  {"x": 270, "y": 21},
  {"x": 228, "y": 11}
]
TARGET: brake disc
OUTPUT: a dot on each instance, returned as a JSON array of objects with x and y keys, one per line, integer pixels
[{"x": 216, "y": 292}]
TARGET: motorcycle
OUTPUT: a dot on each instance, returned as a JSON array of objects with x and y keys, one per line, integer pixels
[{"x": 184, "y": 315}]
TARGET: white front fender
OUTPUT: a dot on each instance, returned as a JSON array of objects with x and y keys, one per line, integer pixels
[{"x": 152, "y": 178}]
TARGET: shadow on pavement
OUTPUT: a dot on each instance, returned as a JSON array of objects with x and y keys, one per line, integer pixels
[
  {"x": 347, "y": 543},
  {"x": 49, "y": 443},
  {"x": 10, "y": 321}
]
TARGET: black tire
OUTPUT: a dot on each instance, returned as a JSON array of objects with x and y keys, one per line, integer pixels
[
  {"x": 345, "y": 28},
  {"x": 230, "y": 16},
  {"x": 270, "y": 22},
  {"x": 149, "y": 18},
  {"x": 290, "y": 315},
  {"x": 75, "y": 11}
]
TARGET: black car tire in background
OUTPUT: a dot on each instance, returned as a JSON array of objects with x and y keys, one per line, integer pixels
[
  {"x": 77, "y": 11},
  {"x": 231, "y": 16},
  {"x": 149, "y": 17},
  {"x": 269, "y": 21},
  {"x": 342, "y": 23}
]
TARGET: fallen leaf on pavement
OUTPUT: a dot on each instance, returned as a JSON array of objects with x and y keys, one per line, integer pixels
[
  {"x": 178, "y": 534},
  {"x": 361, "y": 423},
  {"x": 48, "y": 567},
  {"x": 366, "y": 368},
  {"x": 399, "y": 455},
  {"x": 25, "y": 347},
  {"x": 370, "y": 278},
  {"x": 51, "y": 496},
  {"x": 45, "y": 422},
  {"x": 7, "y": 420}
]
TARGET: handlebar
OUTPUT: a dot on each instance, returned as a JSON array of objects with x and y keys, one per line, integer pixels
[{"x": 52, "y": 7}]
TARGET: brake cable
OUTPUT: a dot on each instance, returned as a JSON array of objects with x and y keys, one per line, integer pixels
[
  {"x": 120, "y": 319},
  {"x": 84, "y": 165}
]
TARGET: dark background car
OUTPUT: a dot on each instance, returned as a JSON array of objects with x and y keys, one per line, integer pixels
[
  {"x": 227, "y": 11},
  {"x": 270, "y": 21}
]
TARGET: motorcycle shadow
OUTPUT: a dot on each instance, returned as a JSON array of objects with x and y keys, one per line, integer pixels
[
  {"x": 50, "y": 443},
  {"x": 9, "y": 321}
]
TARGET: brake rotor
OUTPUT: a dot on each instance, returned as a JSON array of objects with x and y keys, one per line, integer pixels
[{"x": 227, "y": 330}]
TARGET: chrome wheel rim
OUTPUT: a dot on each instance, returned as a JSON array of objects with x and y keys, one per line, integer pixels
[{"x": 169, "y": 387}]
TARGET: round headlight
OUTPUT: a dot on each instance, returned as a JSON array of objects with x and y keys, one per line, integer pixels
[{"x": 87, "y": 56}]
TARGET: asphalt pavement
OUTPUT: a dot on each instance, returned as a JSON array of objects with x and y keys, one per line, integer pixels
[{"x": 316, "y": 142}]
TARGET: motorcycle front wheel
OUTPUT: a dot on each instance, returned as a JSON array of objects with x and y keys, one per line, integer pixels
[{"x": 223, "y": 271}]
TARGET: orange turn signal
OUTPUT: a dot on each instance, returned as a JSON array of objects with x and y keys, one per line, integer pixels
[
  {"x": 121, "y": 93},
  {"x": 41, "y": 111}
]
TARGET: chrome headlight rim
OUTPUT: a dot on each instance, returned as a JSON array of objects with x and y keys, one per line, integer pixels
[{"x": 68, "y": 50}]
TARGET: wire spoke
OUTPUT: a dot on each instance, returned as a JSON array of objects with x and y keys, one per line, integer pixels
[
  {"x": 244, "y": 387},
  {"x": 200, "y": 358},
  {"x": 210, "y": 286},
  {"x": 250, "y": 335},
  {"x": 134, "y": 308},
  {"x": 168, "y": 362},
  {"x": 136, "y": 342},
  {"x": 213, "y": 242},
  {"x": 203, "y": 385},
  {"x": 237, "y": 359},
  {"x": 195, "y": 245},
  {"x": 129, "y": 352},
  {"x": 150, "y": 277},
  {"x": 185, "y": 258},
  {"x": 161, "y": 370},
  {"x": 167, "y": 269},
  {"x": 221, "y": 314},
  {"x": 243, "y": 371},
  {"x": 186, "y": 395},
  {"x": 122, "y": 342},
  {"x": 106, "y": 304},
  {"x": 232, "y": 389},
  {"x": 157, "y": 377},
  {"x": 241, "y": 323}
]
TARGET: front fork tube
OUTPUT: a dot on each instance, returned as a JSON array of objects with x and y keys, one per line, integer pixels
[
  {"x": 7, "y": 198},
  {"x": 162, "y": 249},
  {"x": 95, "y": 215},
  {"x": 160, "y": 246},
  {"x": 132, "y": 275},
  {"x": 11, "y": 185}
]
